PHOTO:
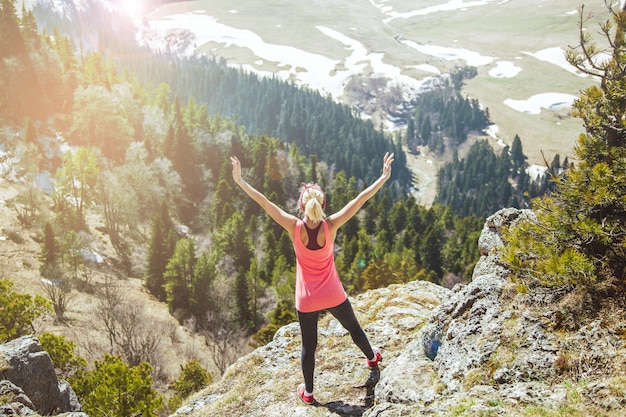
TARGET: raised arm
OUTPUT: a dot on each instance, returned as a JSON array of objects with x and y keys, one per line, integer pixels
[
  {"x": 335, "y": 221},
  {"x": 286, "y": 220}
]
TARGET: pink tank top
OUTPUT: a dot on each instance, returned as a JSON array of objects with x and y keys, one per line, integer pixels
[{"x": 317, "y": 282}]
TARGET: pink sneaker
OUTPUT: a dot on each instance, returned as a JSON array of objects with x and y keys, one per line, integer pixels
[
  {"x": 377, "y": 358},
  {"x": 308, "y": 399}
]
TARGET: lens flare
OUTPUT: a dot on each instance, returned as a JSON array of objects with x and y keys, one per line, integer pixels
[{"x": 134, "y": 7}]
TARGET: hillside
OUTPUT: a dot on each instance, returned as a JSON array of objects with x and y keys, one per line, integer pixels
[
  {"x": 118, "y": 205},
  {"x": 94, "y": 161},
  {"x": 20, "y": 251}
]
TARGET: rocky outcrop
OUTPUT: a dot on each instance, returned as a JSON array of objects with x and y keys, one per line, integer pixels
[
  {"x": 14, "y": 401},
  {"x": 263, "y": 383},
  {"x": 471, "y": 322},
  {"x": 478, "y": 349},
  {"x": 28, "y": 381}
]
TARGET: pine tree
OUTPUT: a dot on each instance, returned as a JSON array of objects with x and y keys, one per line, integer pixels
[
  {"x": 410, "y": 132},
  {"x": 11, "y": 40},
  {"x": 48, "y": 255},
  {"x": 179, "y": 275},
  {"x": 160, "y": 250},
  {"x": 577, "y": 243},
  {"x": 517, "y": 154},
  {"x": 222, "y": 203},
  {"x": 431, "y": 250},
  {"x": 243, "y": 313},
  {"x": 29, "y": 29},
  {"x": 203, "y": 276}
]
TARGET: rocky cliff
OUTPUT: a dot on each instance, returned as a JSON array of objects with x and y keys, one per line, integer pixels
[{"x": 480, "y": 349}]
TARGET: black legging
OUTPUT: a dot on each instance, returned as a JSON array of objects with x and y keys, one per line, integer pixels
[{"x": 308, "y": 327}]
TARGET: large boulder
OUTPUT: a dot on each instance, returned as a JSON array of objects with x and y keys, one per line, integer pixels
[{"x": 28, "y": 366}]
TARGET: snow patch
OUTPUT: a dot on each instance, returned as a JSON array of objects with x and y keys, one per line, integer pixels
[
  {"x": 505, "y": 69},
  {"x": 536, "y": 171},
  {"x": 451, "y": 5},
  {"x": 533, "y": 105},
  {"x": 331, "y": 76},
  {"x": 451, "y": 54},
  {"x": 91, "y": 256},
  {"x": 426, "y": 68},
  {"x": 313, "y": 70},
  {"x": 556, "y": 56},
  {"x": 492, "y": 130}
]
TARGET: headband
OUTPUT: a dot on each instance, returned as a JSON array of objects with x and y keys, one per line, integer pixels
[{"x": 315, "y": 187}]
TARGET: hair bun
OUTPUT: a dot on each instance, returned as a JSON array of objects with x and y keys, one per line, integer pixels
[{"x": 305, "y": 188}]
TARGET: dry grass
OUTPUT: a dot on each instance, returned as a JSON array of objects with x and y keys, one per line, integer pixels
[{"x": 4, "y": 365}]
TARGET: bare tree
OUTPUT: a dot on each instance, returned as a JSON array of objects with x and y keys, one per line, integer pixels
[
  {"x": 226, "y": 341},
  {"x": 28, "y": 204},
  {"x": 57, "y": 289},
  {"x": 129, "y": 330},
  {"x": 118, "y": 211}
]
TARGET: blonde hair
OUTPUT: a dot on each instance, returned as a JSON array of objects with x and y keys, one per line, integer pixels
[{"x": 313, "y": 202}]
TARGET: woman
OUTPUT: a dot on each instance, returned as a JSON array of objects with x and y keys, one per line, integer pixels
[{"x": 318, "y": 286}]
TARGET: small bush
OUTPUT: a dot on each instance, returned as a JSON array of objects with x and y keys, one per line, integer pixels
[
  {"x": 191, "y": 379},
  {"x": 61, "y": 353},
  {"x": 19, "y": 311},
  {"x": 115, "y": 389}
]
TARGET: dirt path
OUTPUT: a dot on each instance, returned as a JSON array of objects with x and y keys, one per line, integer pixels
[{"x": 424, "y": 168}]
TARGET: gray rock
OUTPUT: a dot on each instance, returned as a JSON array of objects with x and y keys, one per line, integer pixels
[
  {"x": 68, "y": 397},
  {"x": 17, "y": 403},
  {"x": 30, "y": 368},
  {"x": 471, "y": 322},
  {"x": 410, "y": 378}
]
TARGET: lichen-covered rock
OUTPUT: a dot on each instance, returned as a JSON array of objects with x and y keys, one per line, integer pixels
[
  {"x": 472, "y": 322},
  {"x": 15, "y": 402}
]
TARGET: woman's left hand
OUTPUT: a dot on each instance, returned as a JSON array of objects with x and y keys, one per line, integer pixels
[
  {"x": 236, "y": 169},
  {"x": 387, "y": 161}
]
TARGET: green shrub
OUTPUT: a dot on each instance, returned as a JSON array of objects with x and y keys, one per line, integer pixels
[
  {"x": 282, "y": 315},
  {"x": 191, "y": 379},
  {"x": 115, "y": 389},
  {"x": 18, "y": 311},
  {"x": 61, "y": 352},
  {"x": 577, "y": 245}
]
